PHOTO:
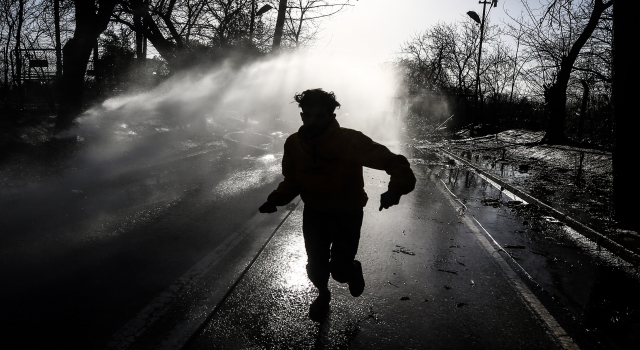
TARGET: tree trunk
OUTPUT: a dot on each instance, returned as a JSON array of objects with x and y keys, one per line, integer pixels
[
  {"x": 56, "y": 19},
  {"x": 513, "y": 81},
  {"x": 625, "y": 92},
  {"x": 277, "y": 38},
  {"x": 17, "y": 47},
  {"x": 556, "y": 94},
  {"x": 137, "y": 23},
  {"x": 76, "y": 53},
  {"x": 556, "y": 98},
  {"x": 583, "y": 109},
  {"x": 150, "y": 31}
]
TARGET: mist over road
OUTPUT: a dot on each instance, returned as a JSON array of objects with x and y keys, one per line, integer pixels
[{"x": 85, "y": 249}]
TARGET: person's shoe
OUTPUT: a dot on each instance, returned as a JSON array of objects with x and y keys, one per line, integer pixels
[
  {"x": 320, "y": 307},
  {"x": 356, "y": 284}
]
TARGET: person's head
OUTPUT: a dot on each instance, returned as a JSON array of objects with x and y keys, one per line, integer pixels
[{"x": 318, "y": 107}]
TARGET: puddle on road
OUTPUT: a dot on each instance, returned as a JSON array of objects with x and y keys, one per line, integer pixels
[
  {"x": 268, "y": 171},
  {"x": 557, "y": 177}
]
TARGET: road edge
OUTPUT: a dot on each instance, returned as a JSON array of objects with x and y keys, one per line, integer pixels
[{"x": 591, "y": 234}]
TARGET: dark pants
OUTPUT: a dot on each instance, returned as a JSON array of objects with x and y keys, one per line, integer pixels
[{"x": 331, "y": 241}]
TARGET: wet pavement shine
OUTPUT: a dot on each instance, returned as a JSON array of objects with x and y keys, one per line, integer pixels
[
  {"x": 430, "y": 284},
  {"x": 174, "y": 255}
]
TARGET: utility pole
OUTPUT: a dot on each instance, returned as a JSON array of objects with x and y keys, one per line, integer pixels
[
  {"x": 253, "y": 20},
  {"x": 254, "y": 14},
  {"x": 477, "y": 87}
]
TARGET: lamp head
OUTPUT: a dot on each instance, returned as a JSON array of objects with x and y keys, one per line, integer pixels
[{"x": 474, "y": 16}]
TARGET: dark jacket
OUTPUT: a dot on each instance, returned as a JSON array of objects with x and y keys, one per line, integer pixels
[{"x": 327, "y": 171}]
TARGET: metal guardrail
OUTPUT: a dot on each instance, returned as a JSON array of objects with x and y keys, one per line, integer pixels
[
  {"x": 502, "y": 145},
  {"x": 598, "y": 238}
]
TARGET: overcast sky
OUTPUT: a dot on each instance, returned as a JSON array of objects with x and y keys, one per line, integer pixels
[{"x": 373, "y": 30}]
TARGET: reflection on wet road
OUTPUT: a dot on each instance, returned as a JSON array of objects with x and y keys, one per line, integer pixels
[
  {"x": 431, "y": 281},
  {"x": 428, "y": 283}
]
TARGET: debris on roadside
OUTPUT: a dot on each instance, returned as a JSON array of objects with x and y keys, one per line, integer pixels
[
  {"x": 567, "y": 245},
  {"x": 551, "y": 219},
  {"x": 514, "y": 246},
  {"x": 539, "y": 252},
  {"x": 490, "y": 201},
  {"x": 401, "y": 249}
]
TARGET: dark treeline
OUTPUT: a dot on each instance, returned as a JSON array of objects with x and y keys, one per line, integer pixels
[
  {"x": 54, "y": 53},
  {"x": 549, "y": 68}
]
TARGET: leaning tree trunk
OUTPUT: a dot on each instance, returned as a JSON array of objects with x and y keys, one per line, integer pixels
[
  {"x": 90, "y": 23},
  {"x": 149, "y": 30},
  {"x": 556, "y": 94},
  {"x": 625, "y": 93}
]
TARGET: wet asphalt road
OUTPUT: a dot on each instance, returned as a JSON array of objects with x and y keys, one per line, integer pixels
[
  {"x": 429, "y": 284},
  {"x": 438, "y": 279},
  {"x": 139, "y": 254}
]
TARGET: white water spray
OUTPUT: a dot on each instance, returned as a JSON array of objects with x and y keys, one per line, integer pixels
[{"x": 221, "y": 99}]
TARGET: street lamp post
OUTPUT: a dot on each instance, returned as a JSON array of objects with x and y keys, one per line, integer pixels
[
  {"x": 476, "y": 18},
  {"x": 255, "y": 14}
]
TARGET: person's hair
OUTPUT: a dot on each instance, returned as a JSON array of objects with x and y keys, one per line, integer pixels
[{"x": 317, "y": 98}]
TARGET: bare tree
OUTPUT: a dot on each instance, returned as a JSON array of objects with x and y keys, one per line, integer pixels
[
  {"x": 443, "y": 57},
  {"x": 8, "y": 20},
  {"x": 555, "y": 36},
  {"x": 302, "y": 21},
  {"x": 92, "y": 18},
  {"x": 178, "y": 28},
  {"x": 27, "y": 31}
]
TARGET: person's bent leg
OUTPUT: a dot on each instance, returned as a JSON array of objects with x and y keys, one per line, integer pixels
[{"x": 346, "y": 238}]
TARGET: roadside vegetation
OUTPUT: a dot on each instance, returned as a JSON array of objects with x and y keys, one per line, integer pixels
[{"x": 553, "y": 69}]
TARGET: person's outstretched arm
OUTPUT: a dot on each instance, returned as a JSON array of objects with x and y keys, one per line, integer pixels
[
  {"x": 287, "y": 190},
  {"x": 376, "y": 156}
]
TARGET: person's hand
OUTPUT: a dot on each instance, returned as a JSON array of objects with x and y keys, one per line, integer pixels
[
  {"x": 268, "y": 207},
  {"x": 389, "y": 199}
]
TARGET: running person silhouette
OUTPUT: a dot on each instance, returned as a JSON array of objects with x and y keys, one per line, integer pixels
[{"x": 323, "y": 163}]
